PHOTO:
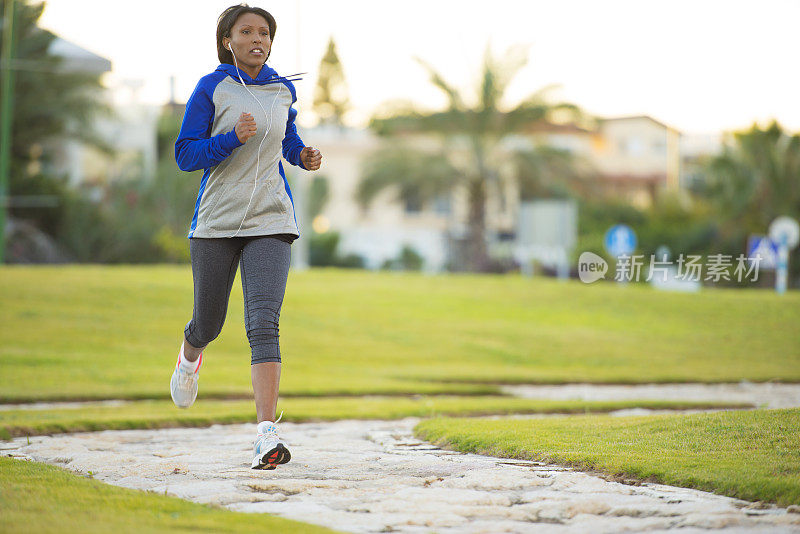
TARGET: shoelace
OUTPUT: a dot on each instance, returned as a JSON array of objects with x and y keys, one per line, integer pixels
[
  {"x": 271, "y": 430},
  {"x": 184, "y": 376},
  {"x": 186, "y": 379}
]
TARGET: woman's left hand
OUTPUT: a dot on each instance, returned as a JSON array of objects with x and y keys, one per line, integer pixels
[{"x": 311, "y": 158}]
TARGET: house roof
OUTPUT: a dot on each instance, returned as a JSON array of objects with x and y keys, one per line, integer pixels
[
  {"x": 549, "y": 127},
  {"x": 78, "y": 59},
  {"x": 638, "y": 117}
]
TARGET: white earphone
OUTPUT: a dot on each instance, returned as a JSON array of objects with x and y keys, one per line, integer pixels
[{"x": 258, "y": 153}]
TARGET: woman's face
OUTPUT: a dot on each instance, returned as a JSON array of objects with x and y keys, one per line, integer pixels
[{"x": 250, "y": 41}]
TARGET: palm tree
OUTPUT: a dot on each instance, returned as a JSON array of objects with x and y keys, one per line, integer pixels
[
  {"x": 483, "y": 128},
  {"x": 757, "y": 177}
]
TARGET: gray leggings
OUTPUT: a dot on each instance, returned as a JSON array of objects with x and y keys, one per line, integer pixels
[{"x": 265, "y": 268}]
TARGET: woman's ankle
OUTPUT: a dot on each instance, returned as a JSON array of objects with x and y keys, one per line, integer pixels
[{"x": 190, "y": 352}]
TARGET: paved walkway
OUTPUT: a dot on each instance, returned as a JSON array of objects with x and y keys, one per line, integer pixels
[
  {"x": 374, "y": 476},
  {"x": 760, "y": 395}
]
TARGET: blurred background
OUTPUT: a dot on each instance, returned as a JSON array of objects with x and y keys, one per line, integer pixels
[{"x": 454, "y": 138}]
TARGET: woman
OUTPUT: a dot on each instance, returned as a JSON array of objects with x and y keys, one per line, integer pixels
[{"x": 237, "y": 122}]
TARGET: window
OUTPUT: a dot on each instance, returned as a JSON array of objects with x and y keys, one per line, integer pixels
[
  {"x": 635, "y": 146},
  {"x": 441, "y": 204},
  {"x": 412, "y": 202}
]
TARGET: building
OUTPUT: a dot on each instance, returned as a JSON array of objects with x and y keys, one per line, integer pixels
[
  {"x": 636, "y": 157},
  {"x": 68, "y": 156},
  {"x": 379, "y": 232},
  {"x": 130, "y": 130},
  {"x": 632, "y": 157},
  {"x": 696, "y": 150}
]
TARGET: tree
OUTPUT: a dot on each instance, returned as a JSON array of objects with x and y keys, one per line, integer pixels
[
  {"x": 331, "y": 101},
  {"x": 415, "y": 175},
  {"x": 49, "y": 102},
  {"x": 318, "y": 196},
  {"x": 755, "y": 179},
  {"x": 483, "y": 126}
]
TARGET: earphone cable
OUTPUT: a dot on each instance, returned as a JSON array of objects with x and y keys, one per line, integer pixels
[{"x": 258, "y": 153}]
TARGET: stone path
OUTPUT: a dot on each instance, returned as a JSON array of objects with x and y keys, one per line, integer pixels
[
  {"x": 374, "y": 476},
  {"x": 759, "y": 394},
  {"x": 765, "y": 395}
]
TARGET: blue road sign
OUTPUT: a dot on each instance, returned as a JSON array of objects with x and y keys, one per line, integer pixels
[
  {"x": 764, "y": 247},
  {"x": 620, "y": 239}
]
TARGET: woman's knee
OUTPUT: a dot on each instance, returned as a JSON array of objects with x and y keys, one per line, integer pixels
[
  {"x": 265, "y": 357},
  {"x": 201, "y": 334},
  {"x": 263, "y": 316}
]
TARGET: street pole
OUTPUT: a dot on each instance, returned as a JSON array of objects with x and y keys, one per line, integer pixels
[
  {"x": 5, "y": 119},
  {"x": 300, "y": 252}
]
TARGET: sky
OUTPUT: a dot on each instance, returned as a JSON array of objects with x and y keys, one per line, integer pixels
[{"x": 701, "y": 66}]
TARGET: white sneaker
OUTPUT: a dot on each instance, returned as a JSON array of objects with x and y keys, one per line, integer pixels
[
  {"x": 268, "y": 449},
  {"x": 183, "y": 385}
]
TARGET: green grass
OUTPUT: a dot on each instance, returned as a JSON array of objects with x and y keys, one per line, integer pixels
[
  {"x": 36, "y": 497},
  {"x": 753, "y": 455},
  {"x": 162, "y": 414},
  {"x": 92, "y": 331},
  {"x": 428, "y": 345}
]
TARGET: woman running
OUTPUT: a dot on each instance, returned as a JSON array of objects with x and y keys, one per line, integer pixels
[{"x": 238, "y": 122}]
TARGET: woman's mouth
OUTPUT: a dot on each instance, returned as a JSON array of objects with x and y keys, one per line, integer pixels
[{"x": 257, "y": 51}]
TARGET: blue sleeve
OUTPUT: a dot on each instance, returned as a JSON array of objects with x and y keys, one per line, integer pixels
[
  {"x": 194, "y": 149},
  {"x": 292, "y": 144}
]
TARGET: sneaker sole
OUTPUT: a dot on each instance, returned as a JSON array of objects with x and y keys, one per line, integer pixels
[{"x": 271, "y": 460}]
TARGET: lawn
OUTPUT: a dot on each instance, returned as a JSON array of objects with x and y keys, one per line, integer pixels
[
  {"x": 753, "y": 455},
  {"x": 415, "y": 345},
  {"x": 93, "y": 331},
  {"x": 162, "y": 414},
  {"x": 42, "y": 498}
]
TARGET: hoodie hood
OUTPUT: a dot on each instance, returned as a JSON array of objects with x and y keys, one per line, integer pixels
[{"x": 265, "y": 74}]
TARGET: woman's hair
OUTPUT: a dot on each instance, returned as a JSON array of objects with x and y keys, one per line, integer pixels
[{"x": 228, "y": 19}]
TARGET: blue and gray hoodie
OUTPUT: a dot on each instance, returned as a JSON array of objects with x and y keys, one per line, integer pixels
[{"x": 207, "y": 140}]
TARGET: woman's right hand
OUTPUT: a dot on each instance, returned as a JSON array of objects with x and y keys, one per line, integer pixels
[{"x": 245, "y": 127}]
